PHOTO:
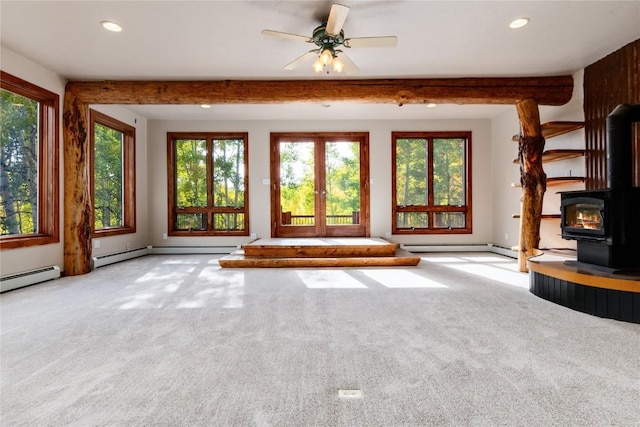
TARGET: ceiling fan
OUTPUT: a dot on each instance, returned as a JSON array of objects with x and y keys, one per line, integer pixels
[{"x": 329, "y": 40}]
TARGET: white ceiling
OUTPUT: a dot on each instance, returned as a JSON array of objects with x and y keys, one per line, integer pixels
[{"x": 214, "y": 40}]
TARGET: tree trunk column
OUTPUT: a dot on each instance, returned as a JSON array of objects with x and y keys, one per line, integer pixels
[
  {"x": 532, "y": 178},
  {"x": 77, "y": 200}
]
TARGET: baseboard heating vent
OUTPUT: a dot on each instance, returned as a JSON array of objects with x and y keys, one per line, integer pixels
[
  {"x": 480, "y": 247},
  {"x": 191, "y": 250},
  {"x": 503, "y": 250},
  {"x": 19, "y": 280},
  {"x": 102, "y": 260}
]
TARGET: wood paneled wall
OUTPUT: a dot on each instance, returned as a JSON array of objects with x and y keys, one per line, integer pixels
[{"x": 613, "y": 80}]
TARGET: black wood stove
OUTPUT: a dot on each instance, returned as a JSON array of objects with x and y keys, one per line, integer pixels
[{"x": 606, "y": 223}]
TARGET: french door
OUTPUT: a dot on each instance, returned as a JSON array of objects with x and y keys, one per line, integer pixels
[{"x": 320, "y": 184}]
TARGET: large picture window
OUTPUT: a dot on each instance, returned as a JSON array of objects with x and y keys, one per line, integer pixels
[
  {"x": 29, "y": 177},
  {"x": 208, "y": 184},
  {"x": 113, "y": 175},
  {"x": 431, "y": 182}
]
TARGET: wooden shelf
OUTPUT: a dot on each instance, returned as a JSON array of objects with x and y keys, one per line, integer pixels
[
  {"x": 551, "y": 129},
  {"x": 557, "y": 180},
  {"x": 543, "y": 216},
  {"x": 555, "y": 155}
]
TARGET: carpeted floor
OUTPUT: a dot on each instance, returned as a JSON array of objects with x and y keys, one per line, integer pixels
[{"x": 176, "y": 341}]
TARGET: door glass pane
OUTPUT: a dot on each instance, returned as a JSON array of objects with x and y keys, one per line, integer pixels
[
  {"x": 297, "y": 183},
  {"x": 411, "y": 172},
  {"x": 448, "y": 171},
  {"x": 191, "y": 173},
  {"x": 228, "y": 173},
  {"x": 342, "y": 177}
]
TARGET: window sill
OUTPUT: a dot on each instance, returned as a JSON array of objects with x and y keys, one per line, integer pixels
[
  {"x": 12, "y": 242},
  {"x": 113, "y": 231}
]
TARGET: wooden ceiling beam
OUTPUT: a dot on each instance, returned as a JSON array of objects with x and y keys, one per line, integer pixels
[{"x": 553, "y": 90}]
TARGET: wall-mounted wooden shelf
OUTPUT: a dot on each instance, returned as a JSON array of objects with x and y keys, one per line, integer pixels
[
  {"x": 551, "y": 129},
  {"x": 543, "y": 216},
  {"x": 555, "y": 155},
  {"x": 557, "y": 180}
]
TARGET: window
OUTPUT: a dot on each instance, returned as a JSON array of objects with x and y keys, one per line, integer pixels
[
  {"x": 29, "y": 177},
  {"x": 113, "y": 175},
  {"x": 208, "y": 182},
  {"x": 432, "y": 182}
]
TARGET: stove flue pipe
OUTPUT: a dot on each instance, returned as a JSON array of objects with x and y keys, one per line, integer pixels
[{"x": 619, "y": 145}]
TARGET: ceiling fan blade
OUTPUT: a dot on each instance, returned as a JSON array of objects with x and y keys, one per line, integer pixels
[
  {"x": 349, "y": 66},
  {"x": 296, "y": 62},
  {"x": 285, "y": 35},
  {"x": 387, "y": 41},
  {"x": 336, "y": 19}
]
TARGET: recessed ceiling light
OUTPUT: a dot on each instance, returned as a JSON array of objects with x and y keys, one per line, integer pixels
[
  {"x": 431, "y": 105},
  {"x": 518, "y": 23},
  {"x": 205, "y": 106},
  {"x": 111, "y": 26}
]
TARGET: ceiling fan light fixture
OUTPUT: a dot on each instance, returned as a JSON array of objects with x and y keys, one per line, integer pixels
[
  {"x": 318, "y": 66},
  {"x": 338, "y": 65},
  {"x": 518, "y": 23},
  {"x": 326, "y": 57}
]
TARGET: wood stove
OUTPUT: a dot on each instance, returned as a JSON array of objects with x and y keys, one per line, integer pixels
[{"x": 606, "y": 223}]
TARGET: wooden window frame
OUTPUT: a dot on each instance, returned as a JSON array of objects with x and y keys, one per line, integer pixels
[
  {"x": 128, "y": 174},
  {"x": 430, "y": 208},
  {"x": 210, "y": 209},
  {"x": 48, "y": 164}
]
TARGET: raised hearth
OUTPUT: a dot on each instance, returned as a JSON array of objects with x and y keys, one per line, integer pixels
[{"x": 588, "y": 290}]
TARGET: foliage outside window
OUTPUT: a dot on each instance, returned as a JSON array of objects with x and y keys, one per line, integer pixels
[
  {"x": 113, "y": 174},
  {"x": 432, "y": 182},
  {"x": 208, "y": 181},
  {"x": 29, "y": 177}
]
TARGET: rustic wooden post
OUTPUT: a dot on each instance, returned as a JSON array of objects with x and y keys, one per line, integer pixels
[
  {"x": 532, "y": 178},
  {"x": 77, "y": 200}
]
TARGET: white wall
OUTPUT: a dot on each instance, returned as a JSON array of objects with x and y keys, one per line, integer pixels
[
  {"x": 380, "y": 166},
  {"x": 32, "y": 257},
  {"x": 506, "y": 200},
  {"x": 140, "y": 238}
]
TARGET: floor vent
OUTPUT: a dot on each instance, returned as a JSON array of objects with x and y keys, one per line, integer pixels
[
  {"x": 19, "y": 280},
  {"x": 102, "y": 260},
  {"x": 350, "y": 394}
]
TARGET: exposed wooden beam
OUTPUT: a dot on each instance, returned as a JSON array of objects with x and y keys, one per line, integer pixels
[
  {"x": 556, "y": 90},
  {"x": 78, "y": 95},
  {"x": 533, "y": 180}
]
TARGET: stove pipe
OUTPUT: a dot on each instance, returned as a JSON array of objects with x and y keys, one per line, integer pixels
[{"x": 620, "y": 146}]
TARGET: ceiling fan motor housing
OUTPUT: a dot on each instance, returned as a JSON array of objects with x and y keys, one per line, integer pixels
[{"x": 325, "y": 40}]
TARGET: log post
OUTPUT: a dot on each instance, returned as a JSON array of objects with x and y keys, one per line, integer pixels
[
  {"x": 532, "y": 178},
  {"x": 77, "y": 200}
]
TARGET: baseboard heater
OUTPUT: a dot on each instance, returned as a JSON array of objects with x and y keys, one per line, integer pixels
[
  {"x": 480, "y": 247},
  {"x": 19, "y": 280},
  {"x": 102, "y": 260},
  {"x": 194, "y": 250}
]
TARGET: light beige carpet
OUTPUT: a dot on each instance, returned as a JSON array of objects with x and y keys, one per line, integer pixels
[{"x": 176, "y": 341}]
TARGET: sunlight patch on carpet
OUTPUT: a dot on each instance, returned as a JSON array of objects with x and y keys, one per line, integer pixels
[
  {"x": 394, "y": 278},
  {"x": 329, "y": 279}
]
